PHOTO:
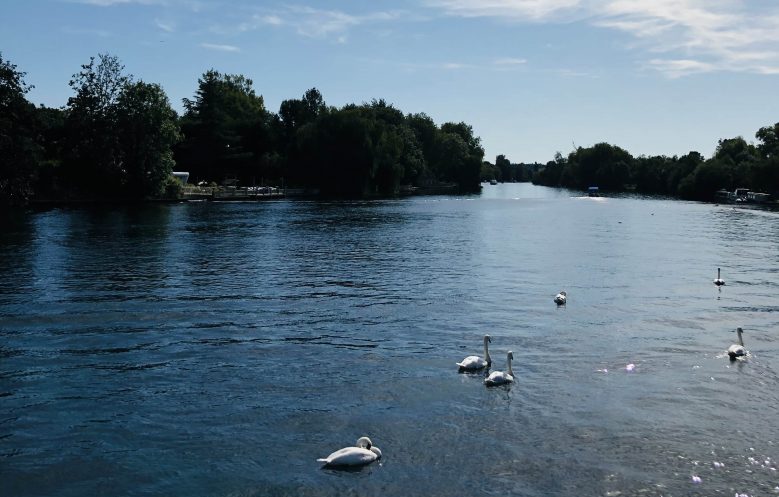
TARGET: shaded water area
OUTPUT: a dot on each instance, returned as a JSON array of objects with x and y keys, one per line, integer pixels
[{"x": 218, "y": 349}]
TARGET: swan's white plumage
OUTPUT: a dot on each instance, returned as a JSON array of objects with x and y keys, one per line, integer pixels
[
  {"x": 501, "y": 377},
  {"x": 719, "y": 281},
  {"x": 561, "y": 298},
  {"x": 474, "y": 362},
  {"x": 737, "y": 349},
  {"x": 363, "y": 453}
]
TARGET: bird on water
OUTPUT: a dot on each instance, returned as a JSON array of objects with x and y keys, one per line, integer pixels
[
  {"x": 737, "y": 349},
  {"x": 474, "y": 362},
  {"x": 501, "y": 377},
  {"x": 719, "y": 281},
  {"x": 361, "y": 454}
]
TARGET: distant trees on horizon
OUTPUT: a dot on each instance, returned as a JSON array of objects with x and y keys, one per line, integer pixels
[
  {"x": 117, "y": 138},
  {"x": 120, "y": 139},
  {"x": 735, "y": 164}
]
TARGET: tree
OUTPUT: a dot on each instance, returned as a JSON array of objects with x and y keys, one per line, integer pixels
[
  {"x": 296, "y": 113},
  {"x": 226, "y": 128},
  {"x": 769, "y": 141},
  {"x": 51, "y": 137},
  {"x": 92, "y": 156},
  {"x": 147, "y": 128},
  {"x": 735, "y": 151},
  {"x": 19, "y": 152},
  {"x": 504, "y": 166},
  {"x": 459, "y": 156},
  {"x": 335, "y": 153}
]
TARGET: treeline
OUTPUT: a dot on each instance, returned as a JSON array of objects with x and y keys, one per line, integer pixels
[
  {"x": 120, "y": 138},
  {"x": 735, "y": 164},
  {"x": 509, "y": 172}
]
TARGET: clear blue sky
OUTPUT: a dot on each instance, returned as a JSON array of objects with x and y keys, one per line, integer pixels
[{"x": 531, "y": 76}]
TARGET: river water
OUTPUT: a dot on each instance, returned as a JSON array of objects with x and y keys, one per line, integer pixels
[{"x": 219, "y": 349}]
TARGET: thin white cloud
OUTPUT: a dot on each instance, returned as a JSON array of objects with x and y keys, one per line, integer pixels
[
  {"x": 109, "y": 3},
  {"x": 509, "y": 61},
  {"x": 675, "y": 68},
  {"x": 220, "y": 48},
  {"x": 312, "y": 22},
  {"x": 272, "y": 20},
  {"x": 168, "y": 27},
  {"x": 693, "y": 36},
  {"x": 102, "y": 33},
  {"x": 531, "y": 10},
  {"x": 194, "y": 5}
]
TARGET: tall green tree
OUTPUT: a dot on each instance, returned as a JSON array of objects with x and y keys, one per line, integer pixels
[
  {"x": 147, "y": 128},
  {"x": 460, "y": 156},
  {"x": 226, "y": 129},
  {"x": 769, "y": 141},
  {"x": 93, "y": 162},
  {"x": 765, "y": 175},
  {"x": 335, "y": 153},
  {"x": 51, "y": 136},
  {"x": 295, "y": 113},
  {"x": 504, "y": 166},
  {"x": 293, "y": 117},
  {"x": 19, "y": 152}
]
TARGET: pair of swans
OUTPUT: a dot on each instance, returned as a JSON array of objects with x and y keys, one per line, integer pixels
[
  {"x": 364, "y": 452},
  {"x": 476, "y": 363}
]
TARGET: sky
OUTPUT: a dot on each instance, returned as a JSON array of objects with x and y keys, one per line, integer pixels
[{"x": 533, "y": 77}]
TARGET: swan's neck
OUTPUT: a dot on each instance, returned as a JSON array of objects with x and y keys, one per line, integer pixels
[
  {"x": 718, "y": 274},
  {"x": 740, "y": 340},
  {"x": 486, "y": 352},
  {"x": 510, "y": 371}
]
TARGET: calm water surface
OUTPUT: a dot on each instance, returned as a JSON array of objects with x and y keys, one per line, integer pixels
[{"x": 218, "y": 349}]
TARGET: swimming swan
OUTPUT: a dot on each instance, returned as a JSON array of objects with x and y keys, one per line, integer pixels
[
  {"x": 363, "y": 453},
  {"x": 474, "y": 362},
  {"x": 719, "y": 281},
  {"x": 500, "y": 377},
  {"x": 560, "y": 298},
  {"x": 737, "y": 349}
]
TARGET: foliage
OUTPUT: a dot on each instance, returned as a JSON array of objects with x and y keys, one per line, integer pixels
[
  {"x": 147, "y": 127},
  {"x": 172, "y": 188},
  {"x": 373, "y": 149},
  {"x": 735, "y": 164},
  {"x": 226, "y": 128},
  {"x": 19, "y": 152},
  {"x": 92, "y": 160},
  {"x": 116, "y": 136}
]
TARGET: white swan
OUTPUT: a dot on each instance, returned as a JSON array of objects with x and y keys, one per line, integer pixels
[
  {"x": 363, "y": 453},
  {"x": 500, "y": 377},
  {"x": 474, "y": 362},
  {"x": 737, "y": 349},
  {"x": 719, "y": 281},
  {"x": 560, "y": 298}
]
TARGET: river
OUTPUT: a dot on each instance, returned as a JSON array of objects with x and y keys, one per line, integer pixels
[{"x": 219, "y": 349}]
